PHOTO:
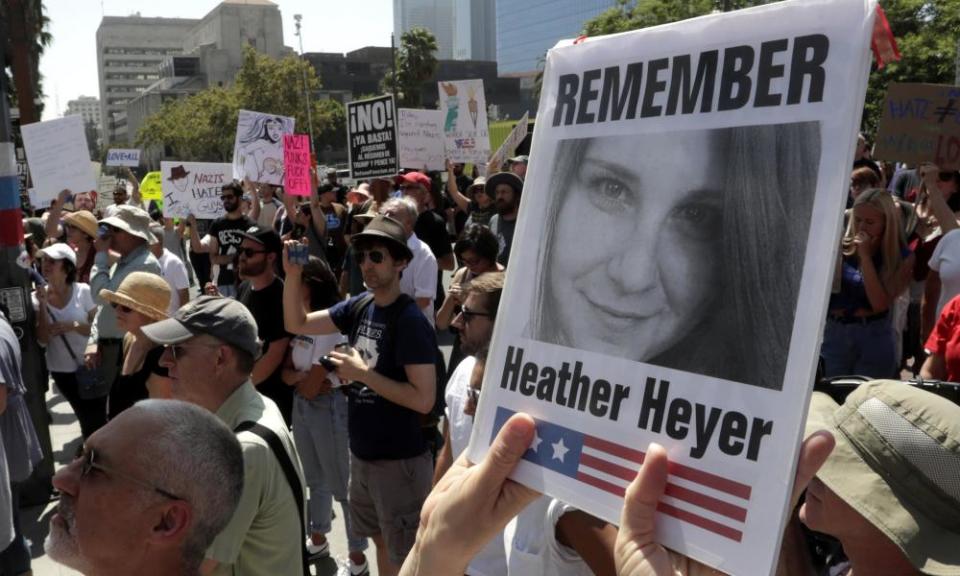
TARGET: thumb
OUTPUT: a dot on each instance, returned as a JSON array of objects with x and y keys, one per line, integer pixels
[
  {"x": 813, "y": 453},
  {"x": 506, "y": 451},
  {"x": 640, "y": 500}
]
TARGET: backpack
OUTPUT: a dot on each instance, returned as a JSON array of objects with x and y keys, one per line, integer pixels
[{"x": 359, "y": 308}]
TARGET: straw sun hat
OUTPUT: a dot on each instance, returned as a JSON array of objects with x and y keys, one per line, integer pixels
[
  {"x": 84, "y": 220},
  {"x": 148, "y": 294}
]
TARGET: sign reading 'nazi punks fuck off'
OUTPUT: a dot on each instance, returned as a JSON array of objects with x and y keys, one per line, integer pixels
[
  {"x": 372, "y": 137},
  {"x": 672, "y": 284}
]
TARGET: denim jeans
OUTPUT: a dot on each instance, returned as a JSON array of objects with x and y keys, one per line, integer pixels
[
  {"x": 320, "y": 433},
  {"x": 859, "y": 349}
]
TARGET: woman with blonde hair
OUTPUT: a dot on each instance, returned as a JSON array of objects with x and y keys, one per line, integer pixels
[{"x": 874, "y": 267}]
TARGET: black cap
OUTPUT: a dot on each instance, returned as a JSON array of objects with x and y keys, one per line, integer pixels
[
  {"x": 268, "y": 237},
  {"x": 388, "y": 229}
]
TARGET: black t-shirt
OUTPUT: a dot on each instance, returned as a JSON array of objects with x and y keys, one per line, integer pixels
[
  {"x": 431, "y": 229},
  {"x": 378, "y": 428},
  {"x": 129, "y": 389},
  {"x": 226, "y": 232},
  {"x": 503, "y": 229},
  {"x": 266, "y": 305}
]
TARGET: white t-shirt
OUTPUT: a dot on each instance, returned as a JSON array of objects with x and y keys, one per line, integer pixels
[
  {"x": 945, "y": 260},
  {"x": 531, "y": 544},
  {"x": 491, "y": 561},
  {"x": 419, "y": 279},
  {"x": 306, "y": 350},
  {"x": 268, "y": 212},
  {"x": 76, "y": 310},
  {"x": 175, "y": 273}
]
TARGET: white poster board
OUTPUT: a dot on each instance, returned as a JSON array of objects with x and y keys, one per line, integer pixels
[
  {"x": 258, "y": 148},
  {"x": 464, "y": 110},
  {"x": 516, "y": 136},
  {"x": 123, "y": 157},
  {"x": 193, "y": 188},
  {"x": 58, "y": 157},
  {"x": 420, "y": 134},
  {"x": 672, "y": 262}
]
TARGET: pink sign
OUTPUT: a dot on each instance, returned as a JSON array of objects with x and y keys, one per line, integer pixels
[{"x": 296, "y": 164}]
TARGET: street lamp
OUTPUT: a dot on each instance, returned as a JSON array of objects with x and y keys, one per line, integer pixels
[{"x": 306, "y": 93}]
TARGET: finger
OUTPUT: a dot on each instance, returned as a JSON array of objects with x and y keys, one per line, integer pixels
[
  {"x": 814, "y": 452},
  {"x": 506, "y": 451},
  {"x": 640, "y": 500}
]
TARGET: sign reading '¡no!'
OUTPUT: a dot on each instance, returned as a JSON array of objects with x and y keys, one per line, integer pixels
[{"x": 372, "y": 137}]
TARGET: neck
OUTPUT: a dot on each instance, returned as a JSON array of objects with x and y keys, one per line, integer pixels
[
  {"x": 262, "y": 281},
  {"x": 58, "y": 285},
  {"x": 509, "y": 216},
  {"x": 387, "y": 295},
  {"x": 153, "y": 565},
  {"x": 235, "y": 215}
]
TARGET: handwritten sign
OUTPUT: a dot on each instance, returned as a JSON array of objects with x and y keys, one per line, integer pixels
[
  {"x": 920, "y": 123},
  {"x": 372, "y": 137},
  {"x": 296, "y": 164},
  {"x": 464, "y": 109},
  {"x": 420, "y": 134},
  {"x": 151, "y": 187},
  {"x": 193, "y": 188},
  {"x": 123, "y": 157},
  {"x": 513, "y": 140},
  {"x": 58, "y": 157}
]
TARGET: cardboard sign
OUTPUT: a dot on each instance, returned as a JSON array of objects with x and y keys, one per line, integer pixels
[
  {"x": 920, "y": 123},
  {"x": 58, "y": 157},
  {"x": 643, "y": 301},
  {"x": 123, "y": 157},
  {"x": 193, "y": 188},
  {"x": 258, "y": 149},
  {"x": 151, "y": 187},
  {"x": 296, "y": 162},
  {"x": 372, "y": 137},
  {"x": 464, "y": 109},
  {"x": 421, "y": 139},
  {"x": 513, "y": 140}
]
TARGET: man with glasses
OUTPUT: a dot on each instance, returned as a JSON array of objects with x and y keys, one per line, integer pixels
[
  {"x": 475, "y": 323},
  {"x": 225, "y": 237},
  {"x": 391, "y": 371},
  {"x": 211, "y": 349},
  {"x": 148, "y": 493},
  {"x": 126, "y": 233},
  {"x": 262, "y": 293}
]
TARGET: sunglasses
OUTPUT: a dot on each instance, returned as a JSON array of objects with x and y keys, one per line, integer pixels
[
  {"x": 227, "y": 197},
  {"x": 376, "y": 256},
  {"x": 473, "y": 395},
  {"x": 250, "y": 252},
  {"x": 469, "y": 315},
  {"x": 89, "y": 463},
  {"x": 121, "y": 308}
]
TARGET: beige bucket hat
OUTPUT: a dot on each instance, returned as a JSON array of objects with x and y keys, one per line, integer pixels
[{"x": 147, "y": 293}]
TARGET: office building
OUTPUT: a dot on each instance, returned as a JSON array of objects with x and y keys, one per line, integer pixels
[
  {"x": 434, "y": 15},
  {"x": 86, "y": 106},
  {"x": 526, "y": 29},
  {"x": 475, "y": 30}
]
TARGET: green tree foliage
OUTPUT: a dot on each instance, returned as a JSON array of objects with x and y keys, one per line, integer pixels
[
  {"x": 416, "y": 63},
  {"x": 202, "y": 127},
  {"x": 927, "y": 33}
]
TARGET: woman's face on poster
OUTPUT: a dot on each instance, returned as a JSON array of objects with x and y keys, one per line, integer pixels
[
  {"x": 274, "y": 130},
  {"x": 635, "y": 260}
]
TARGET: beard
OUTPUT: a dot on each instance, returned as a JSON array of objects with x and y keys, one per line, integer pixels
[
  {"x": 504, "y": 207},
  {"x": 61, "y": 542},
  {"x": 250, "y": 269}
]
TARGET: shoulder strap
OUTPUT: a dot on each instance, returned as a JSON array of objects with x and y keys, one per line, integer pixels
[
  {"x": 357, "y": 310},
  {"x": 286, "y": 464}
]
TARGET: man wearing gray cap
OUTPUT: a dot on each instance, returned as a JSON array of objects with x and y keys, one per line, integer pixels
[
  {"x": 211, "y": 347},
  {"x": 126, "y": 233}
]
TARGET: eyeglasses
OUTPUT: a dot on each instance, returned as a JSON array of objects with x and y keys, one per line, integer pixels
[
  {"x": 178, "y": 350},
  {"x": 376, "y": 256},
  {"x": 250, "y": 252},
  {"x": 89, "y": 462},
  {"x": 469, "y": 315},
  {"x": 121, "y": 308}
]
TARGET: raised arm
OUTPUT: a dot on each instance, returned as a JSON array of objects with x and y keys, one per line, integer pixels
[
  {"x": 135, "y": 195},
  {"x": 459, "y": 199},
  {"x": 295, "y": 317}
]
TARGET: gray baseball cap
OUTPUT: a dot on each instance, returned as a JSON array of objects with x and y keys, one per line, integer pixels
[{"x": 223, "y": 318}]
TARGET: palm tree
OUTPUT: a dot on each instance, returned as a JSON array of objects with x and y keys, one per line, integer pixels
[
  {"x": 27, "y": 35},
  {"x": 416, "y": 63}
]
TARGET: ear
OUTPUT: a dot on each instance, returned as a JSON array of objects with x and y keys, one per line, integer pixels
[{"x": 175, "y": 520}]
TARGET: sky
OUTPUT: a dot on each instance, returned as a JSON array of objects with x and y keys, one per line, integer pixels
[{"x": 69, "y": 65}]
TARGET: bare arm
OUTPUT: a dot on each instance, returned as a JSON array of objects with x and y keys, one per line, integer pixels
[
  {"x": 184, "y": 294},
  {"x": 270, "y": 361},
  {"x": 215, "y": 256},
  {"x": 938, "y": 204},
  {"x": 135, "y": 196},
  {"x": 445, "y": 457},
  {"x": 195, "y": 245},
  {"x": 447, "y": 262},
  {"x": 446, "y": 311},
  {"x": 251, "y": 188},
  {"x": 52, "y": 227},
  {"x": 592, "y": 538},
  {"x": 418, "y": 393},
  {"x": 934, "y": 367},
  {"x": 295, "y": 318},
  {"x": 458, "y": 198}
]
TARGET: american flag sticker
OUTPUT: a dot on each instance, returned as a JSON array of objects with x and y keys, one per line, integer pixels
[{"x": 707, "y": 501}]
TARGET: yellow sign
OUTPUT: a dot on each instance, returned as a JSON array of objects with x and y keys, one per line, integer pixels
[{"x": 150, "y": 188}]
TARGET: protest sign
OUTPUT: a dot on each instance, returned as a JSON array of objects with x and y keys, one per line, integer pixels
[
  {"x": 193, "y": 188},
  {"x": 672, "y": 265},
  {"x": 513, "y": 140},
  {"x": 464, "y": 110},
  {"x": 920, "y": 123},
  {"x": 123, "y": 157},
  {"x": 296, "y": 163},
  {"x": 420, "y": 134},
  {"x": 151, "y": 187},
  {"x": 58, "y": 157},
  {"x": 372, "y": 137},
  {"x": 258, "y": 149}
]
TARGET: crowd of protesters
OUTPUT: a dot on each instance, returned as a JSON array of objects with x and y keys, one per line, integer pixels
[{"x": 233, "y": 378}]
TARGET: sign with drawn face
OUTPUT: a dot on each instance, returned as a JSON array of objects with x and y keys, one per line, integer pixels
[
  {"x": 193, "y": 188},
  {"x": 258, "y": 149}
]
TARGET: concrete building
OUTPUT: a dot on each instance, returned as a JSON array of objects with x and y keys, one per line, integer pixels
[
  {"x": 434, "y": 15},
  {"x": 86, "y": 106},
  {"x": 346, "y": 77},
  {"x": 129, "y": 53},
  {"x": 526, "y": 29},
  {"x": 475, "y": 30}
]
